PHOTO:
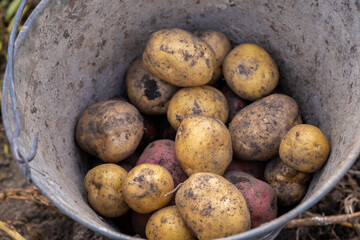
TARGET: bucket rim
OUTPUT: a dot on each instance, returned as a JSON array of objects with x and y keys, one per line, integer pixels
[{"x": 270, "y": 228}]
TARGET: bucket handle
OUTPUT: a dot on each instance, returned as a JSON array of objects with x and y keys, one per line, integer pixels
[{"x": 8, "y": 87}]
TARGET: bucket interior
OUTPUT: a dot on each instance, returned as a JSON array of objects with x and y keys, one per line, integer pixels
[{"x": 71, "y": 54}]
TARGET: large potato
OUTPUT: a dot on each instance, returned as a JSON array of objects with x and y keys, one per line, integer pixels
[
  {"x": 305, "y": 148},
  {"x": 179, "y": 58},
  {"x": 250, "y": 71},
  {"x": 257, "y": 130},
  {"x": 203, "y": 144},
  {"x": 212, "y": 207},
  {"x": 146, "y": 188},
  {"x": 167, "y": 223},
  {"x": 110, "y": 130},
  {"x": 290, "y": 185},
  {"x": 221, "y": 46},
  {"x": 204, "y": 100},
  {"x": 104, "y": 186},
  {"x": 148, "y": 93},
  {"x": 162, "y": 152},
  {"x": 260, "y": 197}
]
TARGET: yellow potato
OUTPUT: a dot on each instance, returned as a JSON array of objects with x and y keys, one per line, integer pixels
[
  {"x": 221, "y": 46},
  {"x": 147, "y": 186},
  {"x": 110, "y": 130},
  {"x": 250, "y": 71},
  {"x": 257, "y": 129},
  {"x": 212, "y": 207},
  {"x": 204, "y": 100},
  {"x": 304, "y": 148},
  {"x": 289, "y": 184},
  {"x": 166, "y": 224},
  {"x": 179, "y": 58},
  {"x": 203, "y": 144},
  {"x": 103, "y": 184},
  {"x": 148, "y": 93}
]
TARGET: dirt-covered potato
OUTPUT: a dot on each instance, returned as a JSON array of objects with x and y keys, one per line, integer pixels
[
  {"x": 104, "y": 187},
  {"x": 221, "y": 46},
  {"x": 290, "y": 185},
  {"x": 146, "y": 188},
  {"x": 179, "y": 58},
  {"x": 203, "y": 144},
  {"x": 167, "y": 223},
  {"x": 305, "y": 148},
  {"x": 254, "y": 168},
  {"x": 257, "y": 130},
  {"x": 162, "y": 152},
  {"x": 110, "y": 130},
  {"x": 212, "y": 207},
  {"x": 204, "y": 100},
  {"x": 148, "y": 93},
  {"x": 250, "y": 71},
  {"x": 260, "y": 197},
  {"x": 235, "y": 103}
]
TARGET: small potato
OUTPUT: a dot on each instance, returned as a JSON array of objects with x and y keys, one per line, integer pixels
[
  {"x": 212, "y": 207},
  {"x": 204, "y": 100},
  {"x": 110, "y": 130},
  {"x": 257, "y": 130},
  {"x": 162, "y": 152},
  {"x": 203, "y": 144},
  {"x": 179, "y": 58},
  {"x": 250, "y": 72},
  {"x": 260, "y": 197},
  {"x": 104, "y": 186},
  {"x": 167, "y": 223},
  {"x": 290, "y": 185},
  {"x": 146, "y": 188},
  {"x": 149, "y": 94},
  {"x": 221, "y": 46},
  {"x": 305, "y": 148}
]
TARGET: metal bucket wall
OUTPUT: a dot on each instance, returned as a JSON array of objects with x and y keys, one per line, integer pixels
[{"x": 71, "y": 54}]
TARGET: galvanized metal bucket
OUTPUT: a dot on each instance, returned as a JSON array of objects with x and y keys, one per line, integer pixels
[{"x": 70, "y": 54}]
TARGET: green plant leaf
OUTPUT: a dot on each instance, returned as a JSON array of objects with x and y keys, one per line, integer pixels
[{"x": 11, "y": 10}]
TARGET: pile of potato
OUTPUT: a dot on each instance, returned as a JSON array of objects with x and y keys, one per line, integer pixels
[{"x": 187, "y": 152}]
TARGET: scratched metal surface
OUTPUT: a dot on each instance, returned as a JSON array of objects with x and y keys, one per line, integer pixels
[{"x": 71, "y": 54}]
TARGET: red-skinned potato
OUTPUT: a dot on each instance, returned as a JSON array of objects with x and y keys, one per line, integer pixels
[
  {"x": 162, "y": 152},
  {"x": 260, "y": 197},
  {"x": 254, "y": 168},
  {"x": 235, "y": 103},
  {"x": 139, "y": 221}
]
